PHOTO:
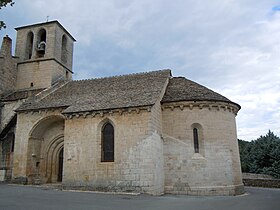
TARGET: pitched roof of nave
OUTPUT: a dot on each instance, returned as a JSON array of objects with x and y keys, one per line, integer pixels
[{"x": 133, "y": 90}]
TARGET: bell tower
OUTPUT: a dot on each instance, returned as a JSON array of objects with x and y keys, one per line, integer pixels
[{"x": 45, "y": 53}]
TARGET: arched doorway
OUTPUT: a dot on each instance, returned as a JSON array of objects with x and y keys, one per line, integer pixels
[
  {"x": 60, "y": 165},
  {"x": 45, "y": 151}
]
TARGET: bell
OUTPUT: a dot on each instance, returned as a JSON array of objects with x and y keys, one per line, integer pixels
[{"x": 41, "y": 46}]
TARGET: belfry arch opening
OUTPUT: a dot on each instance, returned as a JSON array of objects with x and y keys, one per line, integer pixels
[
  {"x": 64, "y": 53},
  {"x": 45, "y": 151},
  {"x": 29, "y": 45},
  {"x": 41, "y": 43}
]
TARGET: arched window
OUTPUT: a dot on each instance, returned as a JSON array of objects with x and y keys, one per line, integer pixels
[
  {"x": 107, "y": 145},
  {"x": 41, "y": 45},
  {"x": 29, "y": 45},
  {"x": 196, "y": 140},
  {"x": 64, "y": 49}
]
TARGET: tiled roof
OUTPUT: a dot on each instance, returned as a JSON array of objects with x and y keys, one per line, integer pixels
[
  {"x": 17, "y": 95},
  {"x": 131, "y": 90},
  {"x": 182, "y": 89}
]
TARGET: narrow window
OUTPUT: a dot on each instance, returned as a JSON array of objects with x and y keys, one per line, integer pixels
[
  {"x": 107, "y": 153},
  {"x": 195, "y": 139},
  {"x": 31, "y": 84},
  {"x": 64, "y": 49},
  {"x": 29, "y": 45}
]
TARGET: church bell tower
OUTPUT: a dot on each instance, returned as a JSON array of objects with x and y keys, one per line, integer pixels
[{"x": 45, "y": 53}]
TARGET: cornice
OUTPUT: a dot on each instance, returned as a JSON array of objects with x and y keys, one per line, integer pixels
[
  {"x": 219, "y": 106},
  {"x": 90, "y": 114},
  {"x": 102, "y": 113}
]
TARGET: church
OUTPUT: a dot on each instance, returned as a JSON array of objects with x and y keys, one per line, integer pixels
[{"x": 146, "y": 132}]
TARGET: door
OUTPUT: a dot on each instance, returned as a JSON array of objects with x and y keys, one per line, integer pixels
[{"x": 60, "y": 165}]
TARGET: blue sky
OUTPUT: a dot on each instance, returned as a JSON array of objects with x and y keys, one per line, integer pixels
[{"x": 232, "y": 47}]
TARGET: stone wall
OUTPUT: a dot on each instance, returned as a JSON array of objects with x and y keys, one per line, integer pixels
[
  {"x": 6, "y": 155},
  {"x": 8, "y": 122},
  {"x": 138, "y": 159},
  {"x": 2, "y": 175},
  {"x": 215, "y": 170},
  {"x": 156, "y": 148},
  {"x": 7, "y": 67},
  {"x": 256, "y": 176},
  {"x": 269, "y": 183},
  {"x": 59, "y": 32},
  {"x": 260, "y": 180},
  {"x": 41, "y": 73}
]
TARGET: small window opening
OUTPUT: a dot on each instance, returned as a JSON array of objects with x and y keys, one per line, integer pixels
[
  {"x": 107, "y": 153},
  {"x": 195, "y": 139},
  {"x": 31, "y": 84}
]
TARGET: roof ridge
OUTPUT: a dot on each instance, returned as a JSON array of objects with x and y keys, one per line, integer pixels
[{"x": 122, "y": 75}]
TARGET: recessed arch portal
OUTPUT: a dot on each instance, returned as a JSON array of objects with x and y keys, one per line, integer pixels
[{"x": 46, "y": 141}]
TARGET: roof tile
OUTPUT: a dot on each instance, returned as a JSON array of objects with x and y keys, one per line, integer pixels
[
  {"x": 131, "y": 90},
  {"x": 182, "y": 89}
]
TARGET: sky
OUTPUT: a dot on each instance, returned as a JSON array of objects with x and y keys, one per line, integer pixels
[{"x": 229, "y": 46}]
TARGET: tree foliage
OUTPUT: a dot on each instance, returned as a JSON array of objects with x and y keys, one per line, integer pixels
[
  {"x": 261, "y": 155},
  {"x": 4, "y": 3}
]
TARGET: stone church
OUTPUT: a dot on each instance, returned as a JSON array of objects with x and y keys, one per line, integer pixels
[{"x": 145, "y": 132}]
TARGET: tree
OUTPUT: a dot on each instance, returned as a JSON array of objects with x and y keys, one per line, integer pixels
[
  {"x": 261, "y": 155},
  {"x": 4, "y": 3},
  {"x": 244, "y": 150}
]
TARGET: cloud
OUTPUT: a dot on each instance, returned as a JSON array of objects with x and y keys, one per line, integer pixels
[{"x": 230, "y": 46}]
